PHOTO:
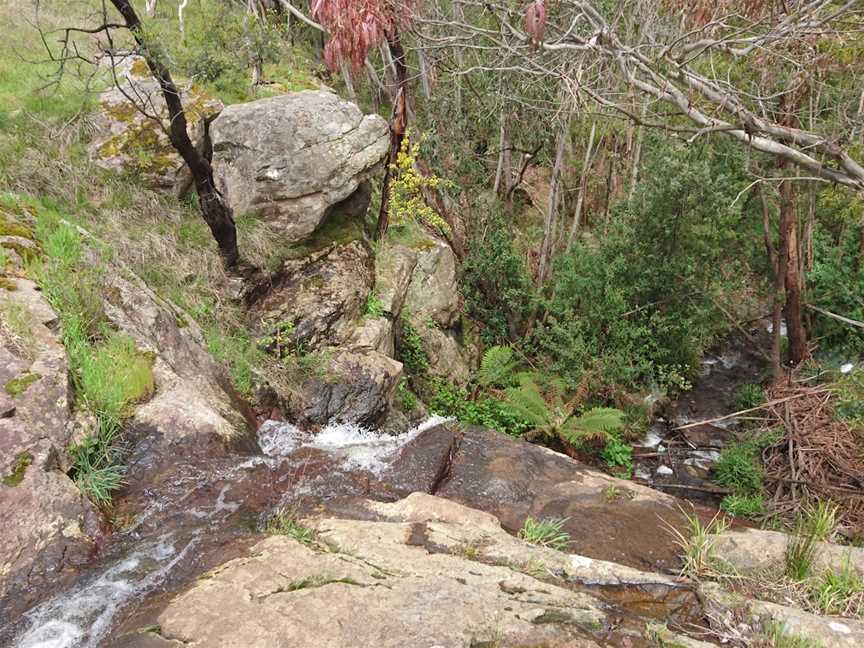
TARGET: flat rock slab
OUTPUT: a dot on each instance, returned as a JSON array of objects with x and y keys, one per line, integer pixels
[{"x": 427, "y": 572}]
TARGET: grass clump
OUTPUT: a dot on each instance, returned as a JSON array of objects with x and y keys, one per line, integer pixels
[
  {"x": 698, "y": 543},
  {"x": 411, "y": 351},
  {"x": 815, "y": 524},
  {"x": 737, "y": 468},
  {"x": 109, "y": 373},
  {"x": 780, "y": 637},
  {"x": 748, "y": 396},
  {"x": 545, "y": 533},
  {"x": 747, "y": 506},
  {"x": 840, "y": 592},
  {"x": 286, "y": 522}
]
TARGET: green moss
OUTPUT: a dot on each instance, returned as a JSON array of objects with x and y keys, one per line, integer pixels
[
  {"x": 147, "y": 150},
  {"x": 19, "y": 385},
  {"x": 19, "y": 468},
  {"x": 337, "y": 229},
  {"x": 9, "y": 226}
]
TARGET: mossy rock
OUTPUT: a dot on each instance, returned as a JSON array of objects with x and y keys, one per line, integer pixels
[
  {"x": 19, "y": 384},
  {"x": 19, "y": 469}
]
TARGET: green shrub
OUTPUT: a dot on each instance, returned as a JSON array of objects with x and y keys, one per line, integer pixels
[
  {"x": 374, "y": 307},
  {"x": 496, "y": 283},
  {"x": 451, "y": 400},
  {"x": 406, "y": 396},
  {"x": 748, "y": 396},
  {"x": 618, "y": 454},
  {"x": 410, "y": 348}
]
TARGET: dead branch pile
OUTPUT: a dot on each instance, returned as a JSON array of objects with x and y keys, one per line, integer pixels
[{"x": 820, "y": 456}]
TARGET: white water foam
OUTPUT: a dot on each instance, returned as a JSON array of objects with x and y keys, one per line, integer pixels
[
  {"x": 359, "y": 447},
  {"x": 82, "y": 616}
]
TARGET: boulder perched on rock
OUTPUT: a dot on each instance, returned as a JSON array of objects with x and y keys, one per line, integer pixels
[
  {"x": 47, "y": 525},
  {"x": 292, "y": 159},
  {"x": 127, "y": 140}
]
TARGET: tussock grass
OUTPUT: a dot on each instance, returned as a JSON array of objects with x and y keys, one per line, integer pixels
[
  {"x": 286, "y": 522},
  {"x": 697, "y": 544},
  {"x": 545, "y": 533}
]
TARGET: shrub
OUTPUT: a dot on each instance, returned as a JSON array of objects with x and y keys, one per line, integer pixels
[
  {"x": 410, "y": 348},
  {"x": 749, "y": 395},
  {"x": 496, "y": 283}
]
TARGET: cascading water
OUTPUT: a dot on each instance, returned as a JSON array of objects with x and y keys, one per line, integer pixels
[{"x": 199, "y": 502}]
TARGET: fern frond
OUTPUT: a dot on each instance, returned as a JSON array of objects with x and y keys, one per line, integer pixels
[
  {"x": 598, "y": 423},
  {"x": 496, "y": 367},
  {"x": 527, "y": 402}
]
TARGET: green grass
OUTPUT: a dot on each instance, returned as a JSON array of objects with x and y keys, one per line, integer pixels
[
  {"x": 737, "y": 468},
  {"x": 780, "y": 637},
  {"x": 840, "y": 592},
  {"x": 697, "y": 544},
  {"x": 545, "y": 533},
  {"x": 749, "y": 395},
  {"x": 109, "y": 374},
  {"x": 239, "y": 351},
  {"x": 747, "y": 506},
  {"x": 287, "y": 523},
  {"x": 4, "y": 259}
]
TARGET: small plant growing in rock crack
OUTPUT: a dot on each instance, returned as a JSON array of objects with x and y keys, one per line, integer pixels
[
  {"x": 374, "y": 307},
  {"x": 545, "y": 533},
  {"x": 286, "y": 522},
  {"x": 698, "y": 543}
]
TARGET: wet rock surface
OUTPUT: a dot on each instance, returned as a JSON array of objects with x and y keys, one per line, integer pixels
[
  {"x": 514, "y": 480},
  {"x": 294, "y": 157}
]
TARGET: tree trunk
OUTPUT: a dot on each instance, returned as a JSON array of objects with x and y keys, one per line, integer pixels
[
  {"x": 778, "y": 264},
  {"x": 583, "y": 186},
  {"x": 398, "y": 125},
  {"x": 216, "y": 213},
  {"x": 789, "y": 237},
  {"x": 151, "y": 8}
]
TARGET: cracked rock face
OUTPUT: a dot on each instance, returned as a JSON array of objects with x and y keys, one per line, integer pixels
[
  {"x": 47, "y": 525},
  {"x": 294, "y": 157}
]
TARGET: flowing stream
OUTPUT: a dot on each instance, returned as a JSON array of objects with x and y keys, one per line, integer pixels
[{"x": 201, "y": 506}]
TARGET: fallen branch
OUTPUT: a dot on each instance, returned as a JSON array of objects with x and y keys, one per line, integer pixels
[{"x": 752, "y": 409}]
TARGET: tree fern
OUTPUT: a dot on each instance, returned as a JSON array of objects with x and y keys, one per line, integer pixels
[
  {"x": 527, "y": 402},
  {"x": 497, "y": 366},
  {"x": 600, "y": 423}
]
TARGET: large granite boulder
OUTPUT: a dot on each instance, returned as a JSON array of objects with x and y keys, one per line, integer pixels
[
  {"x": 127, "y": 140},
  {"x": 294, "y": 158},
  {"x": 420, "y": 284},
  {"x": 47, "y": 527}
]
